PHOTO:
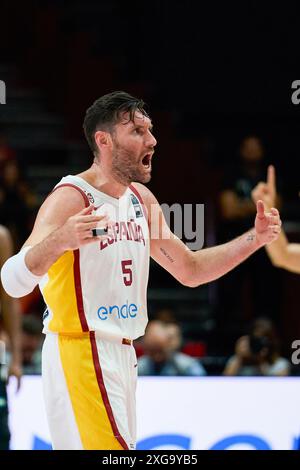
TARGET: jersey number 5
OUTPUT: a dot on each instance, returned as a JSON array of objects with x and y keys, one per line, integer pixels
[{"x": 127, "y": 271}]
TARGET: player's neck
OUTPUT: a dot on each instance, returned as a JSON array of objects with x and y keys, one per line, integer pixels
[{"x": 105, "y": 183}]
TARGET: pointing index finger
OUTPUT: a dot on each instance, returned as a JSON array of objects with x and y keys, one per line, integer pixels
[
  {"x": 271, "y": 178},
  {"x": 260, "y": 207}
]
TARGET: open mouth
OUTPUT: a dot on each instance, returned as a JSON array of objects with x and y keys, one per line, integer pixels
[{"x": 146, "y": 161}]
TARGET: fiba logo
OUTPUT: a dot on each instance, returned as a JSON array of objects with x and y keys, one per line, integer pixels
[{"x": 2, "y": 92}]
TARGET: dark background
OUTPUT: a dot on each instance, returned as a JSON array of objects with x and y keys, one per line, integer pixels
[{"x": 211, "y": 72}]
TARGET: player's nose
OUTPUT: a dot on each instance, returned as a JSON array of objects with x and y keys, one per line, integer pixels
[{"x": 151, "y": 142}]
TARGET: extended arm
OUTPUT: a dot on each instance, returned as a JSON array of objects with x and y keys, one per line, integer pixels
[
  {"x": 199, "y": 267},
  {"x": 284, "y": 254}
]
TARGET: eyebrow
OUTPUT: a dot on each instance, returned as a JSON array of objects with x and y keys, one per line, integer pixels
[{"x": 142, "y": 127}]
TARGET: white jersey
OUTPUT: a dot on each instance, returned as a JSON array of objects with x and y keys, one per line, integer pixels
[{"x": 102, "y": 286}]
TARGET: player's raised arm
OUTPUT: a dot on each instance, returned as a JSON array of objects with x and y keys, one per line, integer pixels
[
  {"x": 63, "y": 223},
  {"x": 195, "y": 268},
  {"x": 282, "y": 253}
]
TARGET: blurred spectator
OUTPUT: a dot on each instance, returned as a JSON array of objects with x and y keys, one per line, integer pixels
[
  {"x": 10, "y": 333},
  {"x": 242, "y": 291},
  {"x": 165, "y": 315},
  {"x": 31, "y": 344},
  {"x": 258, "y": 353},
  {"x": 161, "y": 344},
  {"x": 16, "y": 201},
  {"x": 6, "y": 152},
  {"x": 237, "y": 207}
]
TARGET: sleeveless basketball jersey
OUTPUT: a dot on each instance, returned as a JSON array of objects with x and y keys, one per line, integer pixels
[{"x": 102, "y": 285}]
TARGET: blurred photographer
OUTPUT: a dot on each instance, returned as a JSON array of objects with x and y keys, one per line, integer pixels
[
  {"x": 258, "y": 353},
  {"x": 162, "y": 343}
]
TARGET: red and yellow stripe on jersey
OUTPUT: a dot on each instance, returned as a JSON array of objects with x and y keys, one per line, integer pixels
[{"x": 63, "y": 295}]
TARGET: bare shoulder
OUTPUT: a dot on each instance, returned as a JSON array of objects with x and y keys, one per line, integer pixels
[
  {"x": 147, "y": 195},
  {"x": 61, "y": 204}
]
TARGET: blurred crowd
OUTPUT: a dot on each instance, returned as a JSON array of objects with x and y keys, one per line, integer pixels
[{"x": 18, "y": 203}]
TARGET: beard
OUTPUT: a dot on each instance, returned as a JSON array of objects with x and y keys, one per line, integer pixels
[{"x": 125, "y": 169}]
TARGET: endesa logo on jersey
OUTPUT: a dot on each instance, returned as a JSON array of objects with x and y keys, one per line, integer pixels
[{"x": 119, "y": 311}]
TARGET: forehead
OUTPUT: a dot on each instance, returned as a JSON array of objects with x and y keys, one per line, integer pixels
[
  {"x": 252, "y": 141},
  {"x": 139, "y": 120}
]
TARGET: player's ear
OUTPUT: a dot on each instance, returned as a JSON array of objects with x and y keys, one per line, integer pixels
[{"x": 102, "y": 139}]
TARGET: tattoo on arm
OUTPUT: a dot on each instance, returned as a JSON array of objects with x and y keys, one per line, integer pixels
[
  {"x": 166, "y": 255},
  {"x": 250, "y": 237}
]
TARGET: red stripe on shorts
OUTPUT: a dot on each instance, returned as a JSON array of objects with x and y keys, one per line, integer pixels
[{"x": 103, "y": 392}]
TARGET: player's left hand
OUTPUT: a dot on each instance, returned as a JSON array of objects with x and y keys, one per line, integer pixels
[{"x": 267, "y": 224}]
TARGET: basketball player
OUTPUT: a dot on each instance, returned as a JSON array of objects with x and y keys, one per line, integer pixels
[
  {"x": 95, "y": 286},
  {"x": 282, "y": 253},
  {"x": 10, "y": 317}
]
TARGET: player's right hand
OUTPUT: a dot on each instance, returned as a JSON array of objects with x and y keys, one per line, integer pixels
[
  {"x": 266, "y": 192},
  {"x": 77, "y": 230}
]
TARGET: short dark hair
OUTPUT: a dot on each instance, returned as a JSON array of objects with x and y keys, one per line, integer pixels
[{"x": 105, "y": 113}]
